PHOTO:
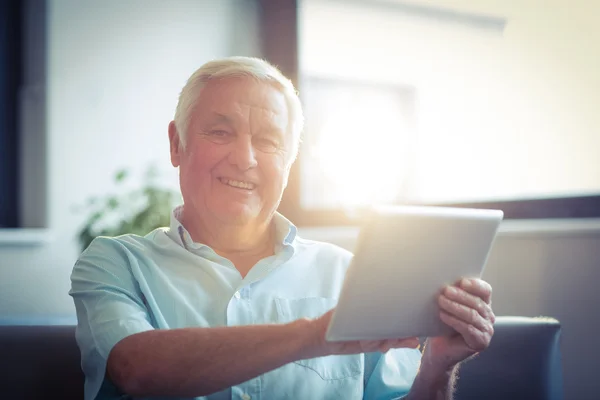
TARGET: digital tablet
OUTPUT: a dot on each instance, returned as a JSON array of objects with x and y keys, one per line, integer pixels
[{"x": 403, "y": 258}]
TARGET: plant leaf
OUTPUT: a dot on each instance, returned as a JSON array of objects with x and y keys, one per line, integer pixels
[{"x": 121, "y": 175}]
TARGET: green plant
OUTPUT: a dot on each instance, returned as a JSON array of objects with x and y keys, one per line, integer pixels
[{"x": 136, "y": 211}]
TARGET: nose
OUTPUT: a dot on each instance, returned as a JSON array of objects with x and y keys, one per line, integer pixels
[{"x": 242, "y": 153}]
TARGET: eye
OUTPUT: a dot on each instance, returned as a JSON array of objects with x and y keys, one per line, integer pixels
[
  {"x": 218, "y": 136},
  {"x": 218, "y": 133},
  {"x": 267, "y": 144}
]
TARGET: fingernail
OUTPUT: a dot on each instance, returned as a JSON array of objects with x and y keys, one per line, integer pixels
[
  {"x": 451, "y": 290},
  {"x": 466, "y": 283}
]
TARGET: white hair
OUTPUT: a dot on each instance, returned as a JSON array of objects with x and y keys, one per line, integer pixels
[{"x": 235, "y": 67}]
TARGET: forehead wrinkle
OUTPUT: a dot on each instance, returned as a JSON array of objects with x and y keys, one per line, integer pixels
[
  {"x": 271, "y": 113},
  {"x": 260, "y": 118}
]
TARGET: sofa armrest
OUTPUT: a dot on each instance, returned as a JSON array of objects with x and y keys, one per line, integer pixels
[
  {"x": 40, "y": 362},
  {"x": 523, "y": 361}
]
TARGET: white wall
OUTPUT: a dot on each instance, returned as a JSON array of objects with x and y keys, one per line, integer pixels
[{"x": 115, "y": 69}]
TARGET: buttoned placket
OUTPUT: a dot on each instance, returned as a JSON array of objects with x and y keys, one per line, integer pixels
[
  {"x": 239, "y": 308},
  {"x": 239, "y": 312}
]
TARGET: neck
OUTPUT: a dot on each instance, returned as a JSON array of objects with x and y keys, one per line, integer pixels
[{"x": 232, "y": 241}]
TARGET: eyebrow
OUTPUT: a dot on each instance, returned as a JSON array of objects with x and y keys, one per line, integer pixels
[
  {"x": 219, "y": 118},
  {"x": 270, "y": 130}
]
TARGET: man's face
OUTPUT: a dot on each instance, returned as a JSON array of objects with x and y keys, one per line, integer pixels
[{"x": 238, "y": 150}]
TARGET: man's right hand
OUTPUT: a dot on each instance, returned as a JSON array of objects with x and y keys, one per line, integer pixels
[{"x": 324, "y": 348}]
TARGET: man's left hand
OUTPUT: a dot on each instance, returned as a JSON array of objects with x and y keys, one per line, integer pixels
[{"x": 466, "y": 307}]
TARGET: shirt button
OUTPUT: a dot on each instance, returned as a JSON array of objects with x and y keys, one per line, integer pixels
[
  {"x": 237, "y": 296},
  {"x": 246, "y": 396}
]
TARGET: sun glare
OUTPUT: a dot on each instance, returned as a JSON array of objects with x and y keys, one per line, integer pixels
[{"x": 362, "y": 153}]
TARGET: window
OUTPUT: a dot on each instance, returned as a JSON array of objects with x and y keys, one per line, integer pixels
[
  {"x": 357, "y": 143},
  {"x": 10, "y": 82},
  {"x": 23, "y": 196},
  {"x": 492, "y": 129}
]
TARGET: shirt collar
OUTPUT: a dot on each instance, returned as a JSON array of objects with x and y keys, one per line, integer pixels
[{"x": 285, "y": 231}]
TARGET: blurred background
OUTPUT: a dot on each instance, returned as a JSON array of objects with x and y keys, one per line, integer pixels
[{"x": 492, "y": 103}]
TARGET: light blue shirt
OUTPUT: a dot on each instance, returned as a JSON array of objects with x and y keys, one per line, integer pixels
[{"x": 131, "y": 284}]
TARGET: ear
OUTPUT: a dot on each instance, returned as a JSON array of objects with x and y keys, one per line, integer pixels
[{"x": 175, "y": 145}]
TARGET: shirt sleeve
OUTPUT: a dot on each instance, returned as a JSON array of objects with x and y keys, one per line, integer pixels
[
  {"x": 391, "y": 375},
  {"x": 107, "y": 298},
  {"x": 108, "y": 303}
]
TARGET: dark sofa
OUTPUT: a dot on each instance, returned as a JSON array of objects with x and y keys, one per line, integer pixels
[{"x": 522, "y": 362}]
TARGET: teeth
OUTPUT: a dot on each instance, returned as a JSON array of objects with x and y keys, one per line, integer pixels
[{"x": 238, "y": 184}]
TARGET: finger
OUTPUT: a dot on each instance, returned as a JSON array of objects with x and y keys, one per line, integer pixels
[
  {"x": 476, "y": 339},
  {"x": 478, "y": 288},
  {"x": 460, "y": 311},
  {"x": 406, "y": 342},
  {"x": 368, "y": 346},
  {"x": 471, "y": 301}
]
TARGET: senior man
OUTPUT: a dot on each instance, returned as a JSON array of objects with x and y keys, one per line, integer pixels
[{"x": 229, "y": 302}]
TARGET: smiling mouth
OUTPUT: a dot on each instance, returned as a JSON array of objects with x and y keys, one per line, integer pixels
[{"x": 237, "y": 184}]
